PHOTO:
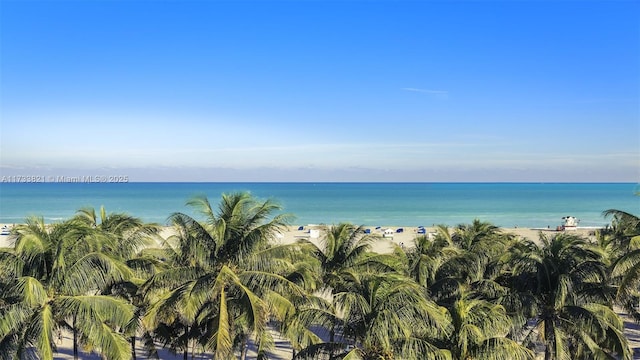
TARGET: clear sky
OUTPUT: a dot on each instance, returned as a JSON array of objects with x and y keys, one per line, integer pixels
[{"x": 321, "y": 90}]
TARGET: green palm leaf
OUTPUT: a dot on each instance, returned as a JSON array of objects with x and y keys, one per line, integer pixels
[{"x": 101, "y": 320}]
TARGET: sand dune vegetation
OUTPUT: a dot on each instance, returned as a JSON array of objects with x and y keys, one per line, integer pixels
[{"x": 225, "y": 285}]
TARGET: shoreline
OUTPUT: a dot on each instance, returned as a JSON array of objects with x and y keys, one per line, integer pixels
[
  {"x": 313, "y": 232},
  {"x": 409, "y": 233}
]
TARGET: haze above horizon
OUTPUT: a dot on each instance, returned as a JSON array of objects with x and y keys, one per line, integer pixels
[{"x": 316, "y": 91}]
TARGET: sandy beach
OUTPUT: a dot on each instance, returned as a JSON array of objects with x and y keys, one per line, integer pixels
[{"x": 405, "y": 237}]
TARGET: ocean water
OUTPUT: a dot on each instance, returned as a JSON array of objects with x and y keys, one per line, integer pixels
[{"x": 371, "y": 204}]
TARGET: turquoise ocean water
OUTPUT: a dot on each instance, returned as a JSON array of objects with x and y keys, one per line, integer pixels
[{"x": 371, "y": 204}]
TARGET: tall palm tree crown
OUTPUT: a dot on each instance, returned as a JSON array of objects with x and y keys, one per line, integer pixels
[
  {"x": 56, "y": 275},
  {"x": 226, "y": 280},
  {"x": 573, "y": 314}
]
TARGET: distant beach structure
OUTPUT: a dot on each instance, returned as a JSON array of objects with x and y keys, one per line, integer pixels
[{"x": 570, "y": 223}]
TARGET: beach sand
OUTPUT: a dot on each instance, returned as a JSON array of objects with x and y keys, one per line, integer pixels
[
  {"x": 405, "y": 238},
  {"x": 313, "y": 233},
  {"x": 291, "y": 234}
]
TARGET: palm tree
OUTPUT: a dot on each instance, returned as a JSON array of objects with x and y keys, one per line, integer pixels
[
  {"x": 622, "y": 243},
  {"x": 465, "y": 273},
  {"x": 475, "y": 259},
  {"x": 127, "y": 238},
  {"x": 224, "y": 281},
  {"x": 143, "y": 265},
  {"x": 125, "y": 235},
  {"x": 470, "y": 236},
  {"x": 381, "y": 316},
  {"x": 625, "y": 229},
  {"x": 573, "y": 315},
  {"x": 427, "y": 256},
  {"x": 480, "y": 331},
  {"x": 55, "y": 276},
  {"x": 343, "y": 254},
  {"x": 368, "y": 300},
  {"x": 345, "y": 249}
]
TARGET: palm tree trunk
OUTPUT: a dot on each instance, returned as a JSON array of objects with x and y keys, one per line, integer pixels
[
  {"x": 550, "y": 340},
  {"x": 75, "y": 339},
  {"x": 133, "y": 347},
  {"x": 75, "y": 345},
  {"x": 243, "y": 352},
  {"x": 185, "y": 356}
]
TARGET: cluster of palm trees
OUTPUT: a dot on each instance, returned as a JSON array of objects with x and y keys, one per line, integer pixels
[{"x": 221, "y": 283}]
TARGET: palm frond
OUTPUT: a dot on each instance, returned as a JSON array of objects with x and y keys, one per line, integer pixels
[
  {"x": 101, "y": 320},
  {"x": 93, "y": 271},
  {"x": 30, "y": 291},
  {"x": 221, "y": 341},
  {"x": 41, "y": 330}
]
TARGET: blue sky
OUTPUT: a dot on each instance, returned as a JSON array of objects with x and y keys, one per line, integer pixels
[{"x": 321, "y": 91}]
